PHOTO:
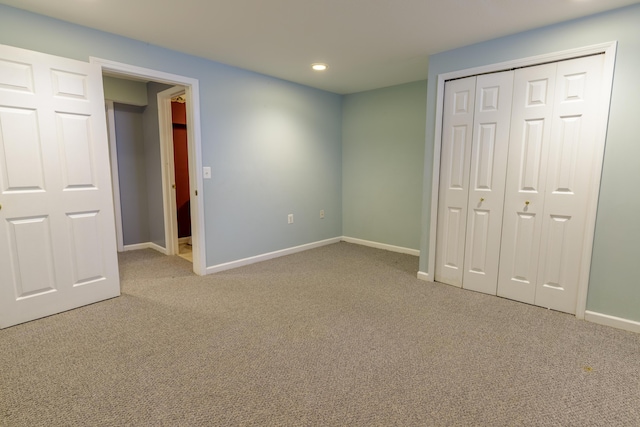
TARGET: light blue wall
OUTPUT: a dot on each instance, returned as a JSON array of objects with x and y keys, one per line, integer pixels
[
  {"x": 132, "y": 173},
  {"x": 382, "y": 164},
  {"x": 124, "y": 91},
  {"x": 614, "y": 286},
  {"x": 274, "y": 147},
  {"x": 151, "y": 126}
]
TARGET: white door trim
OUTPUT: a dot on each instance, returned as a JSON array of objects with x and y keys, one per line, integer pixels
[
  {"x": 168, "y": 173},
  {"x": 192, "y": 91},
  {"x": 609, "y": 50},
  {"x": 115, "y": 180}
]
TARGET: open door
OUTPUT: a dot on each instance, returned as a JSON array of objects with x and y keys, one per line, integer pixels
[{"x": 57, "y": 234}]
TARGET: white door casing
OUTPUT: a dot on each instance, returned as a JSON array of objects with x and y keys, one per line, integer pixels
[
  {"x": 487, "y": 181},
  {"x": 454, "y": 179},
  {"x": 168, "y": 167},
  {"x": 57, "y": 235}
]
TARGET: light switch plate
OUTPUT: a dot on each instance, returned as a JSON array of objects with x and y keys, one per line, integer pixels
[{"x": 206, "y": 172}]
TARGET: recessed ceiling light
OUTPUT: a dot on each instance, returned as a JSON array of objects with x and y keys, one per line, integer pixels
[{"x": 319, "y": 67}]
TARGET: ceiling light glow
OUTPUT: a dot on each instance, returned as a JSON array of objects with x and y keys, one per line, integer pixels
[{"x": 319, "y": 67}]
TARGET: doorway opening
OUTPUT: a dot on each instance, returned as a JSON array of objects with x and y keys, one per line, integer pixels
[
  {"x": 186, "y": 87},
  {"x": 174, "y": 132}
]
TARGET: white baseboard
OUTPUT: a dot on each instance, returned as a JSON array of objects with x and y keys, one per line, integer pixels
[
  {"x": 615, "y": 322},
  {"x": 399, "y": 249},
  {"x": 182, "y": 240},
  {"x": 147, "y": 245},
  {"x": 424, "y": 276},
  {"x": 270, "y": 255}
]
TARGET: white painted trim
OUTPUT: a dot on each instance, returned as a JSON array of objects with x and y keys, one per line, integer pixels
[
  {"x": 424, "y": 276},
  {"x": 435, "y": 180},
  {"x": 609, "y": 50},
  {"x": 167, "y": 159},
  {"x": 194, "y": 139},
  {"x": 384, "y": 246},
  {"x": 270, "y": 255},
  {"x": 182, "y": 240},
  {"x": 596, "y": 176},
  {"x": 614, "y": 322},
  {"x": 146, "y": 245},
  {"x": 115, "y": 179}
]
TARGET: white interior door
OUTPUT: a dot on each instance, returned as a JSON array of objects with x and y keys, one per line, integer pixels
[
  {"x": 526, "y": 179},
  {"x": 57, "y": 235},
  {"x": 487, "y": 181},
  {"x": 569, "y": 179},
  {"x": 457, "y": 130}
]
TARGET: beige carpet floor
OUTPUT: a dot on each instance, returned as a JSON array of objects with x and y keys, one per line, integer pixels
[{"x": 342, "y": 335}]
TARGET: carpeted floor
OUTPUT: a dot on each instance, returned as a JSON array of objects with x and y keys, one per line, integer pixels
[{"x": 339, "y": 335}]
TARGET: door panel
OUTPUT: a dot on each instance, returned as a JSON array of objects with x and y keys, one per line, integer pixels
[
  {"x": 56, "y": 218},
  {"x": 30, "y": 241},
  {"x": 20, "y": 145},
  {"x": 570, "y": 166},
  {"x": 487, "y": 181},
  {"x": 457, "y": 131},
  {"x": 532, "y": 110}
]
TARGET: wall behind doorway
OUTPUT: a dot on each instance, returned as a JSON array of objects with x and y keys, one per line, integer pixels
[
  {"x": 132, "y": 173},
  {"x": 154, "y": 164},
  {"x": 139, "y": 165}
]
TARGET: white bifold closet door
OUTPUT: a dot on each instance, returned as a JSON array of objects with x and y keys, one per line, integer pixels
[
  {"x": 516, "y": 165},
  {"x": 553, "y": 145},
  {"x": 454, "y": 179},
  {"x": 473, "y": 167}
]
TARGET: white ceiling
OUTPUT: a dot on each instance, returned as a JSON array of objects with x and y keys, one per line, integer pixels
[{"x": 368, "y": 44}]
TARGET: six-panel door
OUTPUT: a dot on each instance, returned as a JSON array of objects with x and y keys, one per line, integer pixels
[
  {"x": 538, "y": 243},
  {"x": 57, "y": 235}
]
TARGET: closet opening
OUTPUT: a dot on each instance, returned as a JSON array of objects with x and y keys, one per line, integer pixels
[{"x": 518, "y": 154}]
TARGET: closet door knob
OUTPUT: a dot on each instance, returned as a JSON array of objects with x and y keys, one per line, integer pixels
[
  {"x": 526, "y": 203},
  {"x": 482, "y": 199}
]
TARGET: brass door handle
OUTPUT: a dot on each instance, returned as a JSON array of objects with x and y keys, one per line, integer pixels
[
  {"x": 526, "y": 203},
  {"x": 482, "y": 199}
]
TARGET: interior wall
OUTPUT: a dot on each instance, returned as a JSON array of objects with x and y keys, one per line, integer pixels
[
  {"x": 132, "y": 173},
  {"x": 154, "y": 195},
  {"x": 274, "y": 147},
  {"x": 382, "y": 164},
  {"x": 124, "y": 91},
  {"x": 614, "y": 288}
]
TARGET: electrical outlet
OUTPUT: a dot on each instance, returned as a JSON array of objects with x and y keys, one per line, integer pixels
[
  {"x": 206, "y": 172},
  {"x": 290, "y": 219},
  {"x": 322, "y": 214}
]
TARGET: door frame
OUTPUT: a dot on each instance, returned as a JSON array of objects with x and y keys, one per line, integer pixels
[
  {"x": 168, "y": 173},
  {"x": 115, "y": 179},
  {"x": 609, "y": 51},
  {"x": 194, "y": 143}
]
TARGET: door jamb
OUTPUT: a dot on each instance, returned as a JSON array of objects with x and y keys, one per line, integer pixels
[
  {"x": 609, "y": 50},
  {"x": 113, "y": 156},
  {"x": 168, "y": 173},
  {"x": 192, "y": 91}
]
